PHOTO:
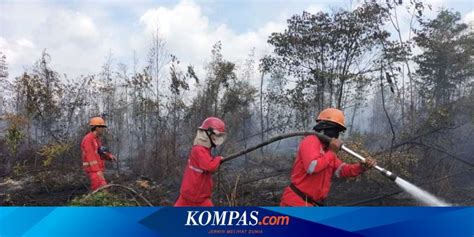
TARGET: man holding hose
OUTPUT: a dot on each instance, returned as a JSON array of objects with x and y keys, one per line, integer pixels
[
  {"x": 316, "y": 163},
  {"x": 94, "y": 153},
  {"x": 196, "y": 187}
]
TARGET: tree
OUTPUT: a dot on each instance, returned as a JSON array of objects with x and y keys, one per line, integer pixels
[
  {"x": 446, "y": 64},
  {"x": 3, "y": 79},
  {"x": 3, "y": 67},
  {"x": 176, "y": 108},
  {"x": 226, "y": 94},
  {"x": 141, "y": 86},
  {"x": 220, "y": 73},
  {"x": 38, "y": 97},
  {"x": 397, "y": 54},
  {"x": 156, "y": 61},
  {"x": 326, "y": 56}
]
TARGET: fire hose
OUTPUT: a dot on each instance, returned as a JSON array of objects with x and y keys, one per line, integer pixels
[
  {"x": 321, "y": 136},
  {"x": 413, "y": 190}
]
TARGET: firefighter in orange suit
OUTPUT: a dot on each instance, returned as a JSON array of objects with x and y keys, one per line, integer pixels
[
  {"x": 94, "y": 154},
  {"x": 316, "y": 163},
  {"x": 196, "y": 188}
]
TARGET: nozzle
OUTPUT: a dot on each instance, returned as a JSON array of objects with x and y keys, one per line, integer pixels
[
  {"x": 391, "y": 176},
  {"x": 387, "y": 173}
]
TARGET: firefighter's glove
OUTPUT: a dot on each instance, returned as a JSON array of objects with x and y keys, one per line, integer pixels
[
  {"x": 335, "y": 145},
  {"x": 369, "y": 163}
]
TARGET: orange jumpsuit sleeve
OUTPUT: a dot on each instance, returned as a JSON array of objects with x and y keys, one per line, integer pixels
[
  {"x": 206, "y": 161},
  {"x": 314, "y": 160},
  {"x": 344, "y": 170}
]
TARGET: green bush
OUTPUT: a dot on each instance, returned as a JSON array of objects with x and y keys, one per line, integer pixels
[{"x": 101, "y": 199}]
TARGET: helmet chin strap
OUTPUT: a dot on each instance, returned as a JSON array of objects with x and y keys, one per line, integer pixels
[{"x": 209, "y": 132}]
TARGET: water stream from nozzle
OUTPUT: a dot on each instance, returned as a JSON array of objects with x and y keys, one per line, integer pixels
[
  {"x": 416, "y": 192},
  {"x": 420, "y": 194}
]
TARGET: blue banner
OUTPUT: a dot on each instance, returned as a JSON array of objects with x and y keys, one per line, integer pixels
[{"x": 238, "y": 221}]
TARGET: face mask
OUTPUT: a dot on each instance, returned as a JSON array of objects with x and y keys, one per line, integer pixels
[
  {"x": 332, "y": 133},
  {"x": 218, "y": 139}
]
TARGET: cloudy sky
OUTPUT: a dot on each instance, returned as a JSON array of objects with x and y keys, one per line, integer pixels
[{"x": 80, "y": 34}]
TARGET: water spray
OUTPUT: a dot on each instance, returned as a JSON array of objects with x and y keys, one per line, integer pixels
[
  {"x": 410, "y": 188},
  {"x": 415, "y": 191}
]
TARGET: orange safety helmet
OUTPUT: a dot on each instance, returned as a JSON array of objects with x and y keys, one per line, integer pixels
[
  {"x": 332, "y": 115},
  {"x": 216, "y": 124},
  {"x": 97, "y": 121}
]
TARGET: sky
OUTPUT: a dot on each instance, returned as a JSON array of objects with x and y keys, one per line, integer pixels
[{"x": 79, "y": 35}]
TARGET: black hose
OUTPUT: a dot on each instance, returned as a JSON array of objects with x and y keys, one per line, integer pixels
[{"x": 321, "y": 136}]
